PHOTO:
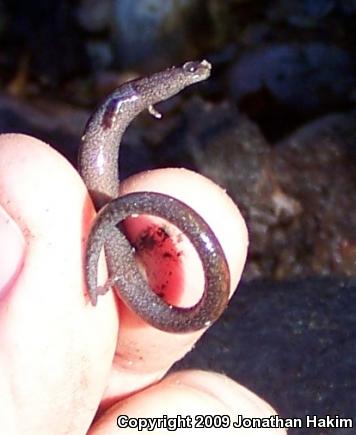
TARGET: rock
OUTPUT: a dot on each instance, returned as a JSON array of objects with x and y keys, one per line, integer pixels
[
  {"x": 53, "y": 122},
  {"x": 316, "y": 166},
  {"x": 296, "y": 196},
  {"x": 302, "y": 77},
  {"x": 292, "y": 343},
  {"x": 150, "y": 31},
  {"x": 100, "y": 55}
]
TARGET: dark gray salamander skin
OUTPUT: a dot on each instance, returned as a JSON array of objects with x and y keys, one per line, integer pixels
[
  {"x": 134, "y": 290},
  {"x": 98, "y": 165}
]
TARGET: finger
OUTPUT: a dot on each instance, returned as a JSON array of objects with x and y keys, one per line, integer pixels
[
  {"x": 144, "y": 354},
  {"x": 12, "y": 252},
  {"x": 55, "y": 348},
  {"x": 190, "y": 394}
]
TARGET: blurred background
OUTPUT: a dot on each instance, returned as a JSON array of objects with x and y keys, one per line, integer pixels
[{"x": 274, "y": 125}]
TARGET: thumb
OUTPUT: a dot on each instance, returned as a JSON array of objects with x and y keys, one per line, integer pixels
[{"x": 11, "y": 252}]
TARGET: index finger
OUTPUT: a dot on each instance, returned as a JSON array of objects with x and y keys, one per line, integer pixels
[{"x": 144, "y": 354}]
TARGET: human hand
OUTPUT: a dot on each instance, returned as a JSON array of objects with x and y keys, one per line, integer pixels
[{"x": 60, "y": 357}]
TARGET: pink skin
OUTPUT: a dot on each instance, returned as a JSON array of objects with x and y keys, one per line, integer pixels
[{"x": 61, "y": 358}]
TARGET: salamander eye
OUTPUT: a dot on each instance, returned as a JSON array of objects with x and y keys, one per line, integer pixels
[
  {"x": 199, "y": 70},
  {"x": 191, "y": 66}
]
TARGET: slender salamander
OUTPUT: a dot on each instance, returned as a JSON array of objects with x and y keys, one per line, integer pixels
[{"x": 98, "y": 165}]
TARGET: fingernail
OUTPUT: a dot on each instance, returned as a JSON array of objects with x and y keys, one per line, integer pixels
[{"x": 12, "y": 248}]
